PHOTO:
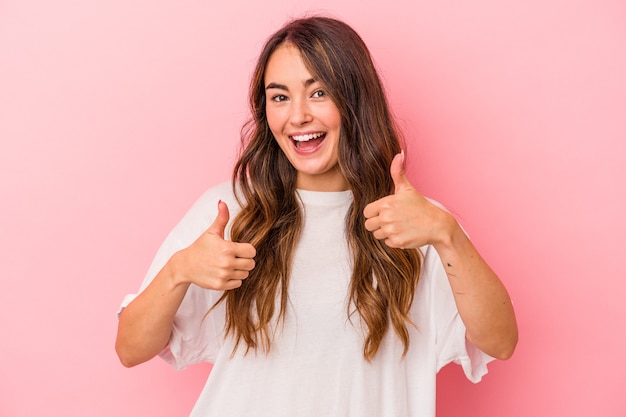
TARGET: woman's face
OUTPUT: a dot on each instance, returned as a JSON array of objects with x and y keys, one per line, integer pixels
[{"x": 304, "y": 121}]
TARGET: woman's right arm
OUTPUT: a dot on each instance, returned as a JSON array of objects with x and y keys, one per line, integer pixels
[
  {"x": 145, "y": 325},
  {"x": 211, "y": 262}
]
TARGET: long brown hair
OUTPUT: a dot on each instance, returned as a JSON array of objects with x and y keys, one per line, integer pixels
[{"x": 383, "y": 279}]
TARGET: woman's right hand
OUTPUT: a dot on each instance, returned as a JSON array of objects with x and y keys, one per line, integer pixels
[{"x": 212, "y": 262}]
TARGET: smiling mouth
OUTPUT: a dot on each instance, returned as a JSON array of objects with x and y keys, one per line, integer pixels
[{"x": 309, "y": 141}]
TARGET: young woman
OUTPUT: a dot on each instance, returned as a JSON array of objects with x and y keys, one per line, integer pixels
[{"x": 318, "y": 282}]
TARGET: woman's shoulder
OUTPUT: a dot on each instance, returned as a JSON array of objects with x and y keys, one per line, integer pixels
[{"x": 204, "y": 210}]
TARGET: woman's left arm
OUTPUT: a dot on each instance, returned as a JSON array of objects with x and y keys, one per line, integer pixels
[
  {"x": 408, "y": 220},
  {"x": 483, "y": 301}
]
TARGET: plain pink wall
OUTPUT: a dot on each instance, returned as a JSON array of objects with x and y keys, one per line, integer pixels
[{"x": 116, "y": 115}]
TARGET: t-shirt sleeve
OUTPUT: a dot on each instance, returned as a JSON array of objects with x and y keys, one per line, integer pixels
[
  {"x": 451, "y": 343},
  {"x": 194, "y": 336}
]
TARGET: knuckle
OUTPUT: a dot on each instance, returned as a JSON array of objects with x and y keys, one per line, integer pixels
[
  {"x": 218, "y": 285},
  {"x": 222, "y": 275},
  {"x": 222, "y": 264},
  {"x": 228, "y": 250}
]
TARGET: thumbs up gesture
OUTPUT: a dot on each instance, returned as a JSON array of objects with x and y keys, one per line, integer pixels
[
  {"x": 211, "y": 261},
  {"x": 405, "y": 219}
]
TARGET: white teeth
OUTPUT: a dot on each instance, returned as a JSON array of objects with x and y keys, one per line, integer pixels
[{"x": 304, "y": 138}]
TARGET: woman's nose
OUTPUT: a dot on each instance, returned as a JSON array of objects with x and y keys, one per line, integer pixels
[{"x": 300, "y": 112}]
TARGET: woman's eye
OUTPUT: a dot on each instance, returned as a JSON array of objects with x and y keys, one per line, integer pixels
[
  {"x": 279, "y": 97},
  {"x": 319, "y": 94}
]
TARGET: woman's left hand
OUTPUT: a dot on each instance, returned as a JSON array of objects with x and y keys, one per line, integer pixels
[{"x": 406, "y": 219}]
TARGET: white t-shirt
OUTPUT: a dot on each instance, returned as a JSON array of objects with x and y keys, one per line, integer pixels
[{"x": 315, "y": 366}]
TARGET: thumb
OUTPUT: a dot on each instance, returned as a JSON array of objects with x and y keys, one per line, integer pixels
[
  {"x": 220, "y": 222},
  {"x": 397, "y": 173}
]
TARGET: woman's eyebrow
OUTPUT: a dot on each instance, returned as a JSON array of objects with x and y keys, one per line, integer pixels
[
  {"x": 278, "y": 86},
  {"x": 284, "y": 87}
]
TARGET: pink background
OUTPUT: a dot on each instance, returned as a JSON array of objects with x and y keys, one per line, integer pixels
[{"x": 115, "y": 115}]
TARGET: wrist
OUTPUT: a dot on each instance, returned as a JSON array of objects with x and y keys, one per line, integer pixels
[
  {"x": 172, "y": 274},
  {"x": 449, "y": 232}
]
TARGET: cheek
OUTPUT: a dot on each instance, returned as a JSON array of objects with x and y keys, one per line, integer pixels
[
  {"x": 332, "y": 117},
  {"x": 276, "y": 127},
  {"x": 274, "y": 120}
]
